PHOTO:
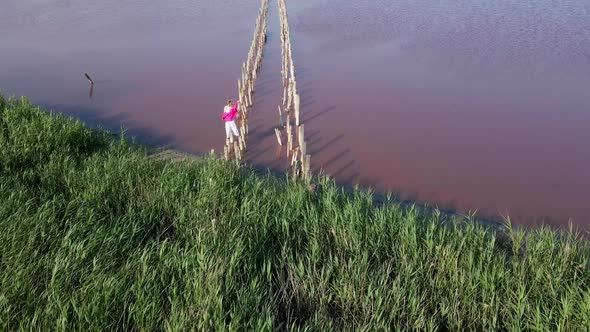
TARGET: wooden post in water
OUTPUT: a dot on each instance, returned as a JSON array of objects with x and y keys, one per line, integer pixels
[
  {"x": 280, "y": 118},
  {"x": 241, "y": 142},
  {"x": 278, "y": 134},
  {"x": 297, "y": 104},
  {"x": 301, "y": 133},
  {"x": 237, "y": 151},
  {"x": 289, "y": 134},
  {"x": 303, "y": 148},
  {"x": 290, "y": 95},
  {"x": 250, "y": 94},
  {"x": 307, "y": 171},
  {"x": 240, "y": 90},
  {"x": 294, "y": 158},
  {"x": 285, "y": 97},
  {"x": 295, "y": 163}
]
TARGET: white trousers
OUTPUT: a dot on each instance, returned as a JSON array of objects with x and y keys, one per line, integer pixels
[{"x": 230, "y": 126}]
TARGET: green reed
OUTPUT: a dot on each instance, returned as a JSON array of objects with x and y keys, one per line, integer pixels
[{"x": 96, "y": 235}]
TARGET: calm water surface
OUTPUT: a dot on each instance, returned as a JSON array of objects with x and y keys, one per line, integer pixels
[{"x": 469, "y": 105}]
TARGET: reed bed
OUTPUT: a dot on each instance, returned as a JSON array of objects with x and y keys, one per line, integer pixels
[
  {"x": 96, "y": 235},
  {"x": 246, "y": 84}
]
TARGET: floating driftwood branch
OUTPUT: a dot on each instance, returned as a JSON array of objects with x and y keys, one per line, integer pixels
[{"x": 88, "y": 78}]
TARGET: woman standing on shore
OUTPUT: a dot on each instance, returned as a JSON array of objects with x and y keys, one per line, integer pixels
[{"x": 229, "y": 115}]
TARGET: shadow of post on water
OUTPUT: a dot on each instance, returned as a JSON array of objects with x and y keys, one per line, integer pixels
[{"x": 314, "y": 116}]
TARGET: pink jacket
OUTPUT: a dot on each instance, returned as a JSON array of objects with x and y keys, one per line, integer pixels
[{"x": 231, "y": 115}]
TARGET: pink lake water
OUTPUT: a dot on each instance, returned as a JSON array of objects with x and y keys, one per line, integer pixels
[{"x": 467, "y": 105}]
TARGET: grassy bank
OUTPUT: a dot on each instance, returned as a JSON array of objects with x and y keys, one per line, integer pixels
[{"x": 95, "y": 234}]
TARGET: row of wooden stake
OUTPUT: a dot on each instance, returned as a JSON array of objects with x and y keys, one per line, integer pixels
[
  {"x": 296, "y": 150},
  {"x": 246, "y": 83}
]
